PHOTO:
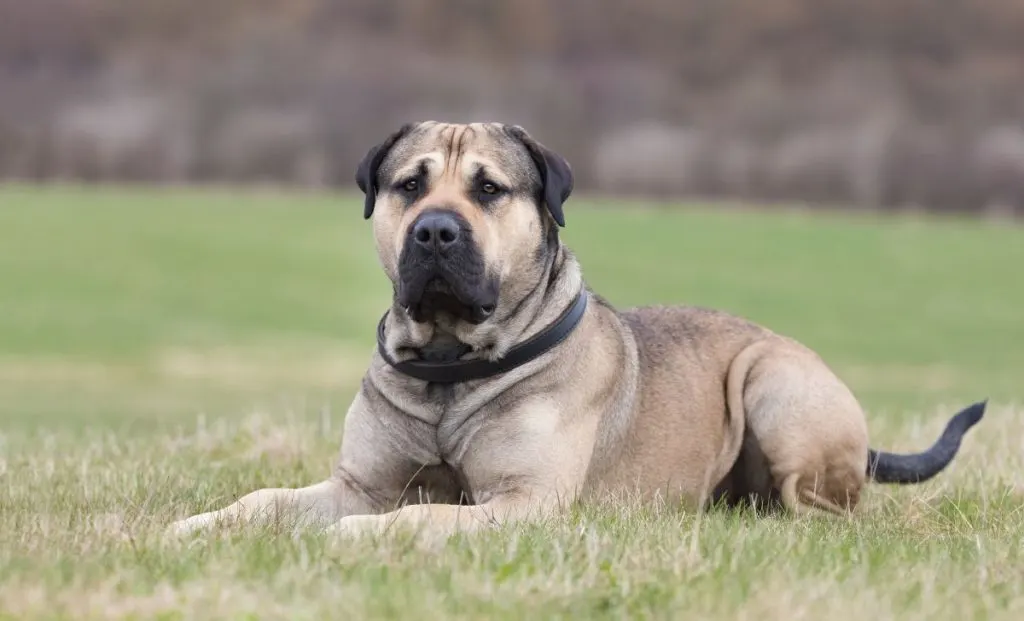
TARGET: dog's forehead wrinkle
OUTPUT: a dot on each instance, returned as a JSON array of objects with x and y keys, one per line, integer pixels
[
  {"x": 452, "y": 150},
  {"x": 453, "y": 140},
  {"x": 461, "y": 146}
]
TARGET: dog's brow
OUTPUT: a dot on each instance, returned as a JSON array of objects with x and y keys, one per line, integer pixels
[
  {"x": 484, "y": 168},
  {"x": 422, "y": 165}
]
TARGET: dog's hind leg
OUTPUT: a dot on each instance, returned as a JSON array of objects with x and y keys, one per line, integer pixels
[
  {"x": 795, "y": 498},
  {"x": 806, "y": 422}
]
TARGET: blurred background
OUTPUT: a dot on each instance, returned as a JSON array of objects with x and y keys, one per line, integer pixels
[
  {"x": 888, "y": 104},
  {"x": 180, "y": 227}
]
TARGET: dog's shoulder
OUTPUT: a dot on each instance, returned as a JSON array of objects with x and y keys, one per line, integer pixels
[{"x": 687, "y": 326}]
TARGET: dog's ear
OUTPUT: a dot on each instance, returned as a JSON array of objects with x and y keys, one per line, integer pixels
[
  {"x": 366, "y": 173},
  {"x": 555, "y": 173}
]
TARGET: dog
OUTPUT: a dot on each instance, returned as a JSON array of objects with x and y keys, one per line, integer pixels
[{"x": 503, "y": 389}]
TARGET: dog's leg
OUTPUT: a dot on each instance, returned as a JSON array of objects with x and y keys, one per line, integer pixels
[
  {"x": 808, "y": 425},
  {"x": 797, "y": 499},
  {"x": 444, "y": 520},
  {"x": 379, "y": 460},
  {"x": 316, "y": 505}
]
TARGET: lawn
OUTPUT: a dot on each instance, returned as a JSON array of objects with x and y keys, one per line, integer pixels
[{"x": 163, "y": 351}]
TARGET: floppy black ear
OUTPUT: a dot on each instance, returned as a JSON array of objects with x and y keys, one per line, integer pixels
[
  {"x": 555, "y": 173},
  {"x": 366, "y": 173}
]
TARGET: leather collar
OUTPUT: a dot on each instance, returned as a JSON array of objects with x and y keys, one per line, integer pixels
[{"x": 466, "y": 370}]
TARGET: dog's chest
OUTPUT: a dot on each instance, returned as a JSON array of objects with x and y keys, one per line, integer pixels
[
  {"x": 455, "y": 428},
  {"x": 461, "y": 411}
]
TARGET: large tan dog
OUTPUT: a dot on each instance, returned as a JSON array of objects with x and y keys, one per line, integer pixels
[{"x": 502, "y": 388}]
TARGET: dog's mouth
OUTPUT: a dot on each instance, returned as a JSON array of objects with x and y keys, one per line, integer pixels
[
  {"x": 447, "y": 282},
  {"x": 425, "y": 298}
]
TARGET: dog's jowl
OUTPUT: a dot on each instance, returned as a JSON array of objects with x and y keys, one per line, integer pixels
[{"x": 502, "y": 388}]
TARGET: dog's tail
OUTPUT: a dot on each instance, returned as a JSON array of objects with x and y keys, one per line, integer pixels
[{"x": 917, "y": 467}]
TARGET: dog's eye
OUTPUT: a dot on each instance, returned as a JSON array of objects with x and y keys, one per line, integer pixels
[
  {"x": 488, "y": 191},
  {"x": 411, "y": 185}
]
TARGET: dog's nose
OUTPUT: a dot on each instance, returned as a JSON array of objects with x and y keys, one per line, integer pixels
[{"x": 436, "y": 230}]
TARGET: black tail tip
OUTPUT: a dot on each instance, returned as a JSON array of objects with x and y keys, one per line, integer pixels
[
  {"x": 884, "y": 467},
  {"x": 970, "y": 415}
]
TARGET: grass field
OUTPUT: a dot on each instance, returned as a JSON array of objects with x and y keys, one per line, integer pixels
[{"x": 164, "y": 351}]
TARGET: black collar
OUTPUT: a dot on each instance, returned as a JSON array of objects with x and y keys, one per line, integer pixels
[{"x": 465, "y": 370}]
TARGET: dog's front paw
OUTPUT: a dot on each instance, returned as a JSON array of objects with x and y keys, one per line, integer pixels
[
  {"x": 355, "y": 526},
  {"x": 188, "y": 526}
]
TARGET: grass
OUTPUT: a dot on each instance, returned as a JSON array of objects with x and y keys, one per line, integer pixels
[{"x": 164, "y": 351}]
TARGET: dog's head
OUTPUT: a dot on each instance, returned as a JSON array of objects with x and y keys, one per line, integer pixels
[{"x": 465, "y": 217}]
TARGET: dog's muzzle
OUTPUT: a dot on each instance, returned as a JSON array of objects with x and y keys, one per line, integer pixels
[{"x": 441, "y": 269}]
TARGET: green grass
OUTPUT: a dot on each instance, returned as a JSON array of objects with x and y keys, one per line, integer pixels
[{"x": 163, "y": 351}]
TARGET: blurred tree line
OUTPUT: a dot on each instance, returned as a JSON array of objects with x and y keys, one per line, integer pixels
[{"x": 879, "y": 103}]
